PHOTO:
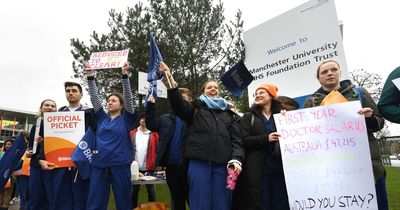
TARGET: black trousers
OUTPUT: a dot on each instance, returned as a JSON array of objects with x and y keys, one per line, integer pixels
[
  {"x": 177, "y": 181},
  {"x": 273, "y": 192}
]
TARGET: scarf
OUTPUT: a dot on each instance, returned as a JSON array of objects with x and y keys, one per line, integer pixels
[{"x": 214, "y": 103}]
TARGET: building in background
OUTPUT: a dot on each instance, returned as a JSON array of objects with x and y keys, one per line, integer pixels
[
  {"x": 390, "y": 150},
  {"x": 12, "y": 121}
]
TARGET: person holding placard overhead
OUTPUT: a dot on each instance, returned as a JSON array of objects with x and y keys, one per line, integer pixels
[
  {"x": 113, "y": 151},
  {"x": 37, "y": 194},
  {"x": 335, "y": 91},
  {"x": 214, "y": 143},
  {"x": 389, "y": 101}
]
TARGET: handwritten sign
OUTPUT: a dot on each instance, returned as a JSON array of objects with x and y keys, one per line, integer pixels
[
  {"x": 62, "y": 132},
  {"x": 326, "y": 158},
  {"x": 290, "y": 46},
  {"x": 109, "y": 59}
]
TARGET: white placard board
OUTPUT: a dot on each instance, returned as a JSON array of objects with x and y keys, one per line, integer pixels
[
  {"x": 287, "y": 49},
  {"x": 326, "y": 158},
  {"x": 108, "y": 59},
  {"x": 143, "y": 86}
]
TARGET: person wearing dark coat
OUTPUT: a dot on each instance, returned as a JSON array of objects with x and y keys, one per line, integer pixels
[
  {"x": 261, "y": 185},
  {"x": 37, "y": 193},
  {"x": 389, "y": 101},
  {"x": 173, "y": 133},
  {"x": 214, "y": 142},
  {"x": 65, "y": 187}
]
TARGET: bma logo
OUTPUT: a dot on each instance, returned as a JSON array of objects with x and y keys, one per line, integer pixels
[
  {"x": 6, "y": 173},
  {"x": 83, "y": 145}
]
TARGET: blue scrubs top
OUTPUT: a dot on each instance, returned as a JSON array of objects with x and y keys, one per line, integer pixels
[{"x": 112, "y": 140}]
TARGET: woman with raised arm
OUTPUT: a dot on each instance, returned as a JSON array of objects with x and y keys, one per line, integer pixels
[
  {"x": 214, "y": 142},
  {"x": 112, "y": 153}
]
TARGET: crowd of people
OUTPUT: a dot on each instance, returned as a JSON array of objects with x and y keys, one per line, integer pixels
[{"x": 196, "y": 143}]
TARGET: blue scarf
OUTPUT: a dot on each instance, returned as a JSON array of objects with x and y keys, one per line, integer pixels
[{"x": 214, "y": 103}]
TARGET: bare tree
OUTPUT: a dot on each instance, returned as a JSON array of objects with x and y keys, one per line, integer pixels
[
  {"x": 373, "y": 83},
  {"x": 370, "y": 81}
]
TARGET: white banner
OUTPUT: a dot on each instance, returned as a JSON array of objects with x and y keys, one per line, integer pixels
[
  {"x": 287, "y": 49},
  {"x": 143, "y": 86},
  {"x": 326, "y": 158},
  {"x": 108, "y": 60}
]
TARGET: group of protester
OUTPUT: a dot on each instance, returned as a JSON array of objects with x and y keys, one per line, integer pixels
[{"x": 196, "y": 142}]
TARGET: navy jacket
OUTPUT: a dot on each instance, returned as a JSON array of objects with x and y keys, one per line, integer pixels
[{"x": 165, "y": 126}]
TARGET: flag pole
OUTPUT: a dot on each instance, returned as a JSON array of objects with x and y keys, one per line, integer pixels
[
  {"x": 169, "y": 81},
  {"x": 76, "y": 175}
]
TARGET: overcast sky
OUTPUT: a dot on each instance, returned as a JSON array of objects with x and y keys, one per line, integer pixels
[{"x": 35, "y": 39}]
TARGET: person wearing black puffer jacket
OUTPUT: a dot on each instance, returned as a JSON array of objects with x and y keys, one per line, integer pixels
[
  {"x": 173, "y": 133},
  {"x": 214, "y": 142},
  {"x": 261, "y": 186}
]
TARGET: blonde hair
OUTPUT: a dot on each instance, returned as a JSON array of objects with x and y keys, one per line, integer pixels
[
  {"x": 40, "y": 113},
  {"x": 203, "y": 87},
  {"x": 324, "y": 62}
]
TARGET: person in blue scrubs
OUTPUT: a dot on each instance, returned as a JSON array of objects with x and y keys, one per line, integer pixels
[
  {"x": 113, "y": 153},
  {"x": 37, "y": 195},
  {"x": 65, "y": 188}
]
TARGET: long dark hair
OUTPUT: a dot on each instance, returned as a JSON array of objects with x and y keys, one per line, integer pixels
[{"x": 4, "y": 145}]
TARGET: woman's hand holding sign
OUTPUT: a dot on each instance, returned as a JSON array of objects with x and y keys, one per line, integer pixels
[{"x": 367, "y": 112}]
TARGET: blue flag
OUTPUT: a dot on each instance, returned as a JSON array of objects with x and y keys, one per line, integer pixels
[
  {"x": 153, "y": 73},
  {"x": 82, "y": 154},
  {"x": 237, "y": 78},
  {"x": 11, "y": 159}
]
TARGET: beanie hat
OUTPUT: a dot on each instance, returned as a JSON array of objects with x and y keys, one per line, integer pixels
[{"x": 272, "y": 89}]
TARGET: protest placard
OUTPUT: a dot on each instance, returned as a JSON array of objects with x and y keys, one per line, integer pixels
[
  {"x": 109, "y": 59},
  {"x": 287, "y": 49},
  {"x": 143, "y": 86},
  {"x": 326, "y": 158},
  {"x": 62, "y": 132}
]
